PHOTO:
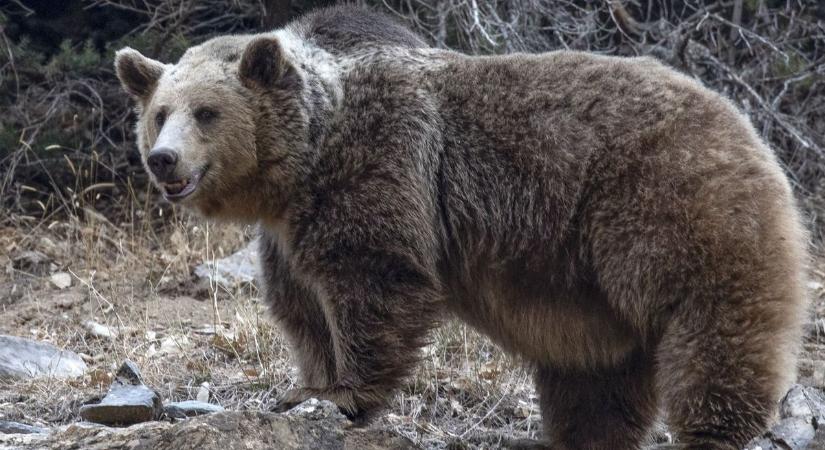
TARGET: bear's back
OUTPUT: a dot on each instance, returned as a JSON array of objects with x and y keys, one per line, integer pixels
[{"x": 340, "y": 29}]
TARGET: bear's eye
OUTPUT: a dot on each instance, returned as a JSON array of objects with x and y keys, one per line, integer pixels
[
  {"x": 205, "y": 115},
  {"x": 160, "y": 118}
]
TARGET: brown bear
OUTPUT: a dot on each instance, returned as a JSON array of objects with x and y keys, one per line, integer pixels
[{"x": 612, "y": 222}]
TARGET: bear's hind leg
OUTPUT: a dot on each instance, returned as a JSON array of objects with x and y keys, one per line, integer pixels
[
  {"x": 720, "y": 374},
  {"x": 610, "y": 408}
]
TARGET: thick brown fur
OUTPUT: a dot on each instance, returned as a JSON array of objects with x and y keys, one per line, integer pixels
[{"x": 610, "y": 221}]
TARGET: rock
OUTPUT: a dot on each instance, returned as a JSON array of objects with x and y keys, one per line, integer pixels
[
  {"x": 524, "y": 410},
  {"x": 32, "y": 262},
  {"x": 234, "y": 270},
  {"x": 802, "y": 411},
  {"x": 25, "y": 358},
  {"x": 171, "y": 345},
  {"x": 61, "y": 280},
  {"x": 203, "y": 393},
  {"x": 803, "y": 401},
  {"x": 128, "y": 401},
  {"x": 99, "y": 330},
  {"x": 205, "y": 330},
  {"x": 316, "y": 410},
  {"x": 129, "y": 373},
  {"x": 8, "y": 427},
  {"x": 190, "y": 408},
  {"x": 793, "y": 433}
]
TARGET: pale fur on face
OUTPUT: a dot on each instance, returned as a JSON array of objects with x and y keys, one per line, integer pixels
[{"x": 224, "y": 146}]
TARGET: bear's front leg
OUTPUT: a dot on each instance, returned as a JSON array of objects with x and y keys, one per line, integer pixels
[
  {"x": 299, "y": 314},
  {"x": 372, "y": 264},
  {"x": 380, "y": 306}
]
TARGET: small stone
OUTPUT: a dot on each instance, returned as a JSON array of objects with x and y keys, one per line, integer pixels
[
  {"x": 128, "y": 401},
  {"x": 172, "y": 345},
  {"x": 315, "y": 409},
  {"x": 523, "y": 409},
  {"x": 61, "y": 280},
  {"x": 129, "y": 373},
  {"x": 9, "y": 427},
  {"x": 205, "y": 330},
  {"x": 99, "y": 330},
  {"x": 190, "y": 408},
  {"x": 456, "y": 407},
  {"x": 25, "y": 358},
  {"x": 239, "y": 268},
  {"x": 203, "y": 393}
]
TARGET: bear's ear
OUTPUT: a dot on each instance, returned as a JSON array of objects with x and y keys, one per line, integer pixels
[
  {"x": 263, "y": 64},
  {"x": 138, "y": 74}
]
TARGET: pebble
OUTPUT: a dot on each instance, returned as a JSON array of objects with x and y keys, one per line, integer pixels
[
  {"x": 99, "y": 330},
  {"x": 190, "y": 408},
  {"x": 61, "y": 280},
  {"x": 203, "y": 393}
]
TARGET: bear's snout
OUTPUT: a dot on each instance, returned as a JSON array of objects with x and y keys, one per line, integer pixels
[{"x": 162, "y": 162}]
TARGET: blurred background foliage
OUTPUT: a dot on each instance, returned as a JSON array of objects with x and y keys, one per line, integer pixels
[{"x": 66, "y": 145}]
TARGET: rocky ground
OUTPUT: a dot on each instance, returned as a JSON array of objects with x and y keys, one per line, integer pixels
[{"x": 102, "y": 329}]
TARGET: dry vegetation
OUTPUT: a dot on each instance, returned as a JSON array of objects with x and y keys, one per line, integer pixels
[{"x": 71, "y": 188}]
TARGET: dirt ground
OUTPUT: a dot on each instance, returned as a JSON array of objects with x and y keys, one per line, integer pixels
[{"x": 184, "y": 332}]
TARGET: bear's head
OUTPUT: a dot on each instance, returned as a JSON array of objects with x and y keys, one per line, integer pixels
[{"x": 224, "y": 131}]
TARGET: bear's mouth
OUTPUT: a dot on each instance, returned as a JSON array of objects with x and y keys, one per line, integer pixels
[{"x": 180, "y": 189}]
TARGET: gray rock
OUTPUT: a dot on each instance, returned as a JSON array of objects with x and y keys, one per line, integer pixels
[
  {"x": 803, "y": 401},
  {"x": 32, "y": 262},
  {"x": 128, "y": 401},
  {"x": 793, "y": 433},
  {"x": 190, "y": 408},
  {"x": 236, "y": 269},
  {"x": 228, "y": 430},
  {"x": 316, "y": 410},
  {"x": 129, "y": 373},
  {"x": 8, "y": 427},
  {"x": 802, "y": 411},
  {"x": 25, "y": 358}
]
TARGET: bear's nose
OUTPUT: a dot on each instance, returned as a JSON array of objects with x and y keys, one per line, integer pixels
[{"x": 162, "y": 162}]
